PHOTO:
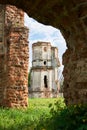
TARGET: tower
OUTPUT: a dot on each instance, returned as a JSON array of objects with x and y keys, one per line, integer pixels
[{"x": 44, "y": 71}]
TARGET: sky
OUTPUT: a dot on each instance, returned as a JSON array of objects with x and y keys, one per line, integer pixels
[{"x": 40, "y": 32}]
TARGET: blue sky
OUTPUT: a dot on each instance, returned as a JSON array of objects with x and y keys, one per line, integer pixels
[{"x": 40, "y": 32}]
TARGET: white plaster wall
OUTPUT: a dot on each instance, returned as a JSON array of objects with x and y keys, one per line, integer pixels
[
  {"x": 37, "y": 53},
  {"x": 48, "y": 73},
  {"x": 55, "y": 78},
  {"x": 39, "y": 56},
  {"x": 56, "y": 53},
  {"x": 46, "y": 54},
  {"x": 48, "y": 63},
  {"x": 41, "y": 53},
  {"x": 56, "y": 73},
  {"x": 36, "y": 63},
  {"x": 50, "y": 79},
  {"x": 36, "y": 81}
]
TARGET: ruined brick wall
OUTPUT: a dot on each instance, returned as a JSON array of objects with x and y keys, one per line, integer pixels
[
  {"x": 17, "y": 59},
  {"x": 75, "y": 76},
  {"x": 13, "y": 16},
  {"x": 3, "y": 73},
  {"x": 3, "y": 79},
  {"x": 75, "y": 65},
  {"x": 14, "y": 61}
]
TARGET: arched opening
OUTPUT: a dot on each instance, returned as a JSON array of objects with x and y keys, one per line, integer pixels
[
  {"x": 70, "y": 19},
  {"x": 45, "y": 81},
  {"x": 40, "y": 32},
  {"x": 44, "y": 62},
  {"x": 72, "y": 23}
]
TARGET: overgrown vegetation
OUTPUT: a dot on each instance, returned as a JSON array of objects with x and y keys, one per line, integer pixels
[
  {"x": 64, "y": 118},
  {"x": 45, "y": 114},
  {"x": 13, "y": 119}
]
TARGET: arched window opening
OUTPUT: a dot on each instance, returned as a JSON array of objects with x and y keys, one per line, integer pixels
[
  {"x": 44, "y": 62},
  {"x": 45, "y": 82}
]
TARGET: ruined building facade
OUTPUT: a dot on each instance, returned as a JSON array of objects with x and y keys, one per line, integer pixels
[
  {"x": 44, "y": 71},
  {"x": 13, "y": 57},
  {"x": 70, "y": 17}
]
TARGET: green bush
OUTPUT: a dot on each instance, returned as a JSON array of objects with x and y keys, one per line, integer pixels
[{"x": 64, "y": 118}]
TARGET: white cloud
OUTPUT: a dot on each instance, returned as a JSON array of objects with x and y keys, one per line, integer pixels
[{"x": 40, "y": 32}]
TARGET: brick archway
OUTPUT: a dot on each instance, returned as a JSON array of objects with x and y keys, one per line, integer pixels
[{"x": 71, "y": 18}]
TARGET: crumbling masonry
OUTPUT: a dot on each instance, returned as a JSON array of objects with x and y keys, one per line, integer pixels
[
  {"x": 13, "y": 58},
  {"x": 70, "y": 16}
]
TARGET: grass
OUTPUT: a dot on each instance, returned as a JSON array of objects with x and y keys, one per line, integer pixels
[
  {"x": 14, "y": 119},
  {"x": 62, "y": 117},
  {"x": 45, "y": 114}
]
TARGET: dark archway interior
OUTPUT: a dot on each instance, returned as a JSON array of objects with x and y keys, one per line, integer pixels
[
  {"x": 70, "y": 17},
  {"x": 45, "y": 82}
]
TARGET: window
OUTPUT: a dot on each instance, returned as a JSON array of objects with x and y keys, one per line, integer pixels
[
  {"x": 45, "y": 49},
  {"x": 44, "y": 62},
  {"x": 45, "y": 82}
]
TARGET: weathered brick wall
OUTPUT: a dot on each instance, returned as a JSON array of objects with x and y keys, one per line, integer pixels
[
  {"x": 3, "y": 73},
  {"x": 17, "y": 91},
  {"x": 14, "y": 61},
  {"x": 75, "y": 65},
  {"x": 14, "y": 17},
  {"x": 3, "y": 79}
]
